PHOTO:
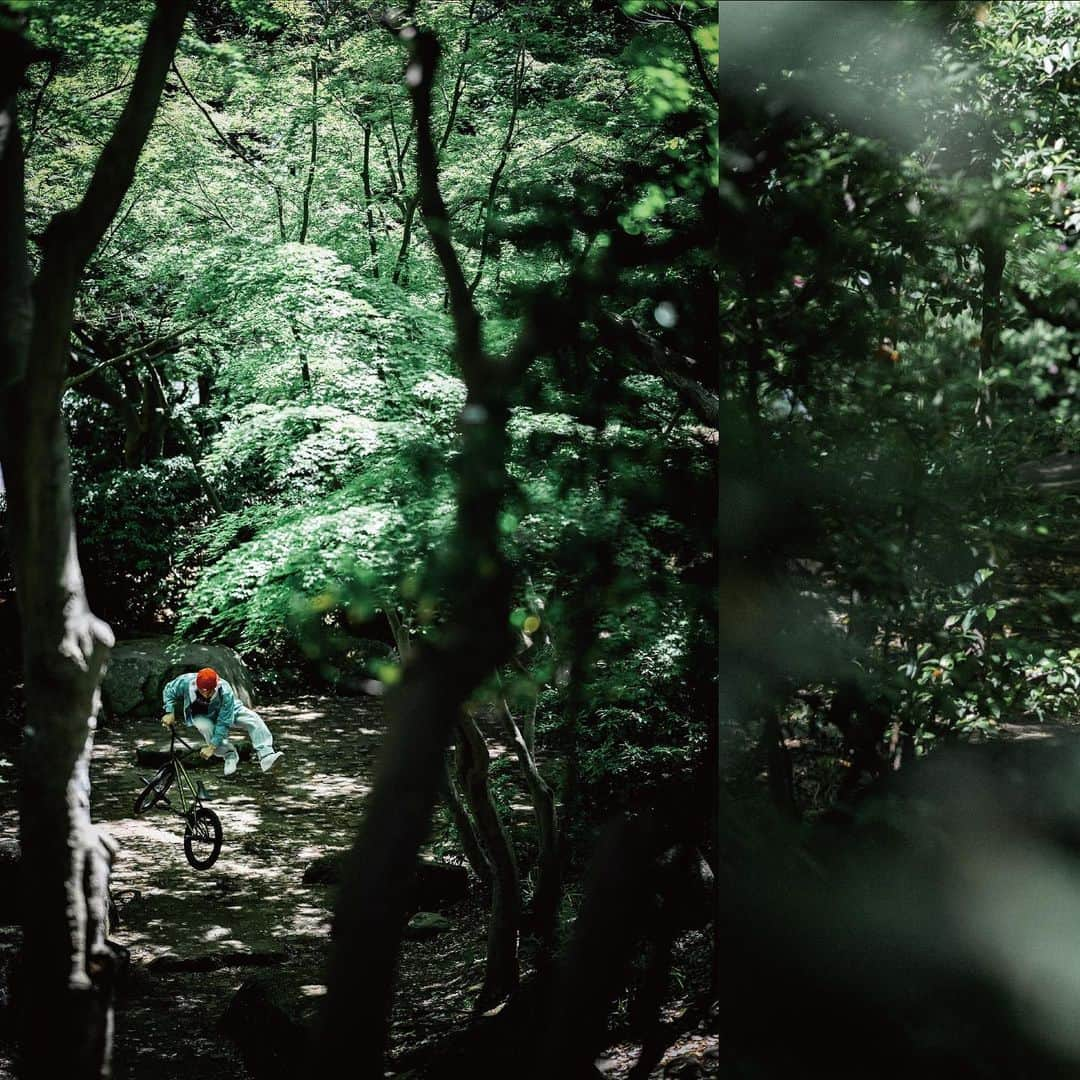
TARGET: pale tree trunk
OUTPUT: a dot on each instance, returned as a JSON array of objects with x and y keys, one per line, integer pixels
[
  {"x": 545, "y": 903},
  {"x": 64, "y": 984},
  {"x": 463, "y": 825},
  {"x": 992, "y": 254},
  {"x": 504, "y": 921}
]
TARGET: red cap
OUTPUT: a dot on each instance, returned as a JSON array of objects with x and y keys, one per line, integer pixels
[{"x": 207, "y": 679}]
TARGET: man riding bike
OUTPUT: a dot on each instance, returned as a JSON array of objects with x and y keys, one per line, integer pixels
[{"x": 208, "y": 703}]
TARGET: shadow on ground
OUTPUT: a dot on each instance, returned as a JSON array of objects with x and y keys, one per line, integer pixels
[
  {"x": 252, "y": 907},
  {"x": 251, "y": 914}
]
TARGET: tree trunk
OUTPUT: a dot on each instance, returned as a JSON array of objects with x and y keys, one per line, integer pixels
[
  {"x": 545, "y": 905},
  {"x": 366, "y": 176},
  {"x": 615, "y": 909},
  {"x": 778, "y": 769},
  {"x": 406, "y": 237},
  {"x": 501, "y": 968},
  {"x": 675, "y": 369},
  {"x": 424, "y": 707},
  {"x": 413, "y": 203},
  {"x": 470, "y": 842},
  {"x": 305, "y": 202},
  {"x": 488, "y": 212},
  {"x": 305, "y": 369},
  {"x": 401, "y": 635},
  {"x": 992, "y": 253},
  {"x": 64, "y": 985}
]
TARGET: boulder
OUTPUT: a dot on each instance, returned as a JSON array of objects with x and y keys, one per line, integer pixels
[
  {"x": 139, "y": 669},
  {"x": 273, "y": 1042},
  {"x": 439, "y": 885},
  {"x": 325, "y": 870},
  {"x": 436, "y": 884},
  {"x": 425, "y": 924}
]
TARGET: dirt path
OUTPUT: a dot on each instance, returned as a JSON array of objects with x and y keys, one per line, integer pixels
[
  {"x": 253, "y": 900},
  {"x": 252, "y": 903}
]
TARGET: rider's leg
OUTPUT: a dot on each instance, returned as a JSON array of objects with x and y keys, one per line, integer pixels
[
  {"x": 262, "y": 742},
  {"x": 226, "y": 750}
]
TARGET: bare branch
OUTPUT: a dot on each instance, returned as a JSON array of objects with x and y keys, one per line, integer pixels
[
  {"x": 233, "y": 147},
  {"x": 306, "y": 199},
  {"x": 154, "y": 348}
]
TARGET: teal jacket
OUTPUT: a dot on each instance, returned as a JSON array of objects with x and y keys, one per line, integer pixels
[{"x": 221, "y": 709}]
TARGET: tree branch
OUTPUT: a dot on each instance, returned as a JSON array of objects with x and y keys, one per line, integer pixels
[
  {"x": 1038, "y": 310},
  {"x": 131, "y": 354},
  {"x": 115, "y": 168},
  {"x": 237, "y": 151},
  {"x": 672, "y": 367},
  {"x": 517, "y": 81},
  {"x": 309, "y": 182}
]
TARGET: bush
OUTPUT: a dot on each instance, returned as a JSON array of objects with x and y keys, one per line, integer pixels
[{"x": 130, "y": 524}]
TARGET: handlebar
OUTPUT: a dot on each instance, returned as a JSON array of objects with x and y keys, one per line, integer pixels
[{"x": 175, "y": 737}]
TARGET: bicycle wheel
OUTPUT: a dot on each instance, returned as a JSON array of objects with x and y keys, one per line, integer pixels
[
  {"x": 202, "y": 838},
  {"x": 155, "y": 788}
]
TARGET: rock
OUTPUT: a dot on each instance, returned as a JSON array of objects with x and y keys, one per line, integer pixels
[
  {"x": 212, "y": 961},
  {"x": 436, "y": 885},
  {"x": 156, "y": 758},
  {"x": 325, "y": 870},
  {"x": 439, "y": 885},
  {"x": 139, "y": 669},
  {"x": 425, "y": 924},
  {"x": 684, "y": 1067},
  {"x": 272, "y": 1043}
]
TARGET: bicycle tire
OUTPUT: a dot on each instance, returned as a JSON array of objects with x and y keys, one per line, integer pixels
[
  {"x": 208, "y": 825},
  {"x": 155, "y": 789}
]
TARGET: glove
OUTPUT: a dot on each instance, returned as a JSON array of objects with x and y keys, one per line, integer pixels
[
  {"x": 168, "y": 720},
  {"x": 208, "y": 751}
]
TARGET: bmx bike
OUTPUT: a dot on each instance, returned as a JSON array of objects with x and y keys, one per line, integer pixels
[{"x": 202, "y": 827}]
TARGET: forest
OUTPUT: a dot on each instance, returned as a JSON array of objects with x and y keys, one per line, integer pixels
[
  {"x": 358, "y": 392},
  {"x": 622, "y": 454}
]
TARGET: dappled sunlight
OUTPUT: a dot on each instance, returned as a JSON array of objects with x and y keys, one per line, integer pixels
[
  {"x": 330, "y": 785},
  {"x": 274, "y": 825},
  {"x": 308, "y": 920}
]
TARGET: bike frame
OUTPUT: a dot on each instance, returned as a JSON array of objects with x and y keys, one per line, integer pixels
[
  {"x": 183, "y": 779},
  {"x": 202, "y": 825}
]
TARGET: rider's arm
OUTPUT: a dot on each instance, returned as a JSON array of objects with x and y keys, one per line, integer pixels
[
  {"x": 174, "y": 694},
  {"x": 225, "y": 716}
]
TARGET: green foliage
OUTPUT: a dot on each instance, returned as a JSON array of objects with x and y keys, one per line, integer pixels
[
  {"x": 319, "y": 398},
  {"x": 645, "y": 725},
  {"x": 130, "y": 528}
]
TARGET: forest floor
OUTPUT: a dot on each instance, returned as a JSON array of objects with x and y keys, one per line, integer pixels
[{"x": 252, "y": 906}]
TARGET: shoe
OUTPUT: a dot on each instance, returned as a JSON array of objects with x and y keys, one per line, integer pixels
[
  {"x": 270, "y": 760},
  {"x": 230, "y": 765}
]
